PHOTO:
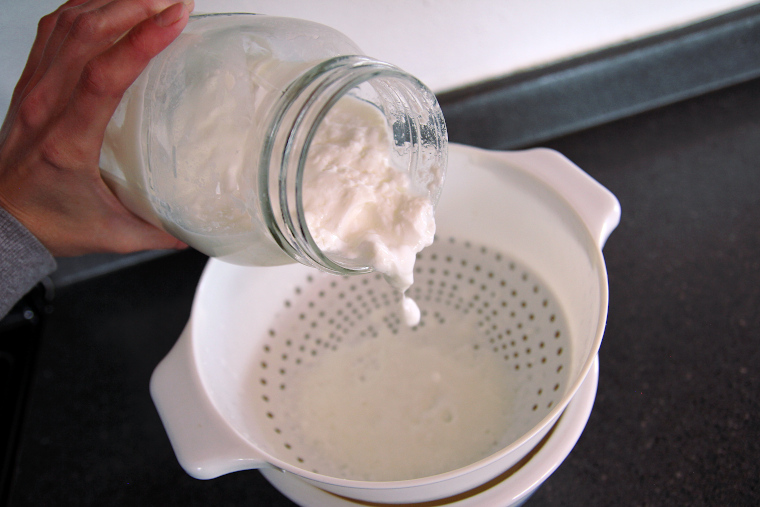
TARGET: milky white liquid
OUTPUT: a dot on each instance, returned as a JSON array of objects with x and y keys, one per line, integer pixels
[
  {"x": 358, "y": 206},
  {"x": 399, "y": 407}
]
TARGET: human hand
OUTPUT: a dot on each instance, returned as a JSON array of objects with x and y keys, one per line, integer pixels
[{"x": 85, "y": 56}]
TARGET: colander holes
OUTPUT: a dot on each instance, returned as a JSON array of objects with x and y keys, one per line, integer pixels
[
  {"x": 302, "y": 316},
  {"x": 265, "y": 397},
  {"x": 477, "y": 267},
  {"x": 552, "y": 318},
  {"x": 266, "y": 348},
  {"x": 545, "y": 303},
  {"x": 556, "y": 387},
  {"x": 299, "y": 459},
  {"x": 523, "y": 304},
  {"x": 284, "y": 357},
  {"x": 282, "y": 387},
  {"x": 541, "y": 345},
  {"x": 278, "y": 431},
  {"x": 264, "y": 364},
  {"x": 288, "y": 446},
  {"x": 512, "y": 266},
  {"x": 287, "y": 304},
  {"x": 527, "y": 351},
  {"x": 270, "y": 415},
  {"x": 543, "y": 360},
  {"x": 449, "y": 258},
  {"x": 540, "y": 392},
  {"x": 549, "y": 405},
  {"x": 263, "y": 381},
  {"x": 525, "y": 277},
  {"x": 341, "y": 295},
  {"x": 559, "y": 368},
  {"x": 298, "y": 290},
  {"x": 311, "y": 304},
  {"x": 557, "y": 334},
  {"x": 535, "y": 407},
  {"x": 559, "y": 351},
  {"x": 321, "y": 294},
  {"x": 282, "y": 371}
]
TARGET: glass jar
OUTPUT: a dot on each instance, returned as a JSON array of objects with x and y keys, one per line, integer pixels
[{"x": 210, "y": 142}]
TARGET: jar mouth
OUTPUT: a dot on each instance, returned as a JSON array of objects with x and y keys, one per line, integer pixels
[{"x": 414, "y": 119}]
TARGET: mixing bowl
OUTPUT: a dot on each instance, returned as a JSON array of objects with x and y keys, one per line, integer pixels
[{"x": 513, "y": 296}]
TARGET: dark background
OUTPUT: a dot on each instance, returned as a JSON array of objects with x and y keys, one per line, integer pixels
[{"x": 670, "y": 125}]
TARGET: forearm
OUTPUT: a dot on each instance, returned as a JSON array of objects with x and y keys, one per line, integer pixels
[{"x": 24, "y": 261}]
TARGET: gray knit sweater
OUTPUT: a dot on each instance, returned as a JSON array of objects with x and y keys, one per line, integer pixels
[{"x": 23, "y": 261}]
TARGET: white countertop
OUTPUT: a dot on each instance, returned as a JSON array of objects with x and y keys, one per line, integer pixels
[{"x": 446, "y": 43}]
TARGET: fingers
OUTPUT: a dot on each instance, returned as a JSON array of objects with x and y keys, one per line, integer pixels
[
  {"x": 82, "y": 31},
  {"x": 45, "y": 28},
  {"x": 106, "y": 77}
]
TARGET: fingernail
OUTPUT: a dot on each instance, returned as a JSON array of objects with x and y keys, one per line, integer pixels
[{"x": 170, "y": 15}]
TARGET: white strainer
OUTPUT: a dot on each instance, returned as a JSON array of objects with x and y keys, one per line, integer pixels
[{"x": 318, "y": 375}]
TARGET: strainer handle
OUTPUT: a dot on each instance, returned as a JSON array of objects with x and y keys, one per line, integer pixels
[
  {"x": 596, "y": 205},
  {"x": 205, "y": 445}
]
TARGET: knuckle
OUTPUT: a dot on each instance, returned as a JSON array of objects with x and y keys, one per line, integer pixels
[
  {"x": 94, "y": 80},
  {"x": 86, "y": 27},
  {"x": 65, "y": 19},
  {"x": 47, "y": 22},
  {"x": 33, "y": 110}
]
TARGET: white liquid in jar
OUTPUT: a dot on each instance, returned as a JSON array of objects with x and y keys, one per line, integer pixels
[{"x": 358, "y": 206}]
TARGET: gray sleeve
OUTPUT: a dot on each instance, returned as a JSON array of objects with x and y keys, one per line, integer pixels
[{"x": 23, "y": 261}]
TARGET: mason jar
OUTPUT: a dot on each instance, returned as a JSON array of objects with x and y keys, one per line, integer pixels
[{"x": 210, "y": 141}]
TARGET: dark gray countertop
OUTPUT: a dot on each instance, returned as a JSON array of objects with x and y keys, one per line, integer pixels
[{"x": 677, "y": 416}]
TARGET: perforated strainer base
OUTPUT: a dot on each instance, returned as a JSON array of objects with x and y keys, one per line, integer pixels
[{"x": 479, "y": 307}]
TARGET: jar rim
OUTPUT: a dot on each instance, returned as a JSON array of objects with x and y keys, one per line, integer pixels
[{"x": 303, "y": 106}]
